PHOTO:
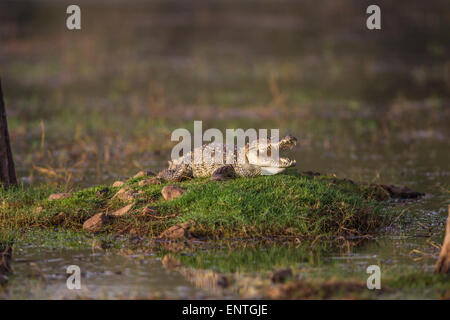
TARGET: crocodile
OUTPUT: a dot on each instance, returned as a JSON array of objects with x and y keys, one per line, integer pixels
[{"x": 254, "y": 159}]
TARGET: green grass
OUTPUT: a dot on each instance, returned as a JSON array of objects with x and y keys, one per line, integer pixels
[
  {"x": 278, "y": 205},
  {"x": 283, "y": 205}
]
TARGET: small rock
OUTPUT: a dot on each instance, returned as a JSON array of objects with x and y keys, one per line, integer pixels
[
  {"x": 118, "y": 184},
  {"x": 149, "y": 210},
  {"x": 126, "y": 194},
  {"x": 143, "y": 174},
  {"x": 172, "y": 192},
  {"x": 280, "y": 276},
  {"x": 149, "y": 181},
  {"x": 59, "y": 218},
  {"x": 59, "y": 196},
  {"x": 122, "y": 190},
  {"x": 402, "y": 192},
  {"x": 96, "y": 223},
  {"x": 123, "y": 211},
  {"x": 178, "y": 231}
]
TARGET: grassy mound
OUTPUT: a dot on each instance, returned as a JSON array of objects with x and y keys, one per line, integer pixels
[{"x": 286, "y": 204}]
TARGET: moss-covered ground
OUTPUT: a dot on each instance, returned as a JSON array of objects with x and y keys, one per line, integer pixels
[{"x": 291, "y": 204}]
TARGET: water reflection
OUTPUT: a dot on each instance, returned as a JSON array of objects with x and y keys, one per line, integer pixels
[
  {"x": 40, "y": 273},
  {"x": 236, "y": 270}
]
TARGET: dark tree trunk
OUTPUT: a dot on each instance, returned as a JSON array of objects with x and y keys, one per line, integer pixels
[{"x": 7, "y": 171}]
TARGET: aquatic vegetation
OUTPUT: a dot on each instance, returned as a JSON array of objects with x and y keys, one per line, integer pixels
[{"x": 305, "y": 270}]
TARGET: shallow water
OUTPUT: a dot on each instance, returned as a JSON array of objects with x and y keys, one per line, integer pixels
[{"x": 41, "y": 273}]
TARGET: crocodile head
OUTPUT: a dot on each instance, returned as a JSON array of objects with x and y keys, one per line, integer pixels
[{"x": 266, "y": 154}]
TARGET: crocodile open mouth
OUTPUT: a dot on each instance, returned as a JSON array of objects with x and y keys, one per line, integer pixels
[
  {"x": 285, "y": 145},
  {"x": 263, "y": 154}
]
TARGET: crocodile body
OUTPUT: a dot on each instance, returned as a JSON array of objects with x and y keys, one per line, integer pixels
[{"x": 252, "y": 160}]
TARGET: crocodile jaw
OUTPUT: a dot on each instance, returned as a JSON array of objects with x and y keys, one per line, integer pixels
[
  {"x": 260, "y": 154},
  {"x": 268, "y": 171}
]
